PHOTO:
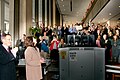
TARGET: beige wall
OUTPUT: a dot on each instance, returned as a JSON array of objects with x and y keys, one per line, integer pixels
[{"x": 113, "y": 23}]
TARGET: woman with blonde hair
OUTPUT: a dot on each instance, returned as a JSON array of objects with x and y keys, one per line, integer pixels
[{"x": 33, "y": 60}]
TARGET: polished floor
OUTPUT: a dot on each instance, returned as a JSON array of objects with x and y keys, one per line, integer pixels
[{"x": 51, "y": 74}]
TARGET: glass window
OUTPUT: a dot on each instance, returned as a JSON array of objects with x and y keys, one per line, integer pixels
[
  {"x": 6, "y": 12},
  {"x": 6, "y": 16}
]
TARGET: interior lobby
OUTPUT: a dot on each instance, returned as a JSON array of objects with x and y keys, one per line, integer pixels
[{"x": 22, "y": 18}]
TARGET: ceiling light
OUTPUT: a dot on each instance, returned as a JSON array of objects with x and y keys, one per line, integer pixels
[
  {"x": 61, "y": 0},
  {"x": 118, "y": 22},
  {"x": 63, "y": 5},
  {"x": 119, "y": 6},
  {"x": 110, "y": 14}
]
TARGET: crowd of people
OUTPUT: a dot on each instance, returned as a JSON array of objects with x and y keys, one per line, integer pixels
[
  {"x": 46, "y": 45},
  {"x": 105, "y": 36}
]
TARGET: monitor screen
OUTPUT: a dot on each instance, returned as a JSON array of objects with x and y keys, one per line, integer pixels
[
  {"x": 77, "y": 40},
  {"x": 81, "y": 40}
]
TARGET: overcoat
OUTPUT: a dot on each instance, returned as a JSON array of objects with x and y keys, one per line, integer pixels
[
  {"x": 33, "y": 64},
  {"x": 7, "y": 65}
]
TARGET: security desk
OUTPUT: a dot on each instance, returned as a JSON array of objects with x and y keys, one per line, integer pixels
[{"x": 82, "y": 63}]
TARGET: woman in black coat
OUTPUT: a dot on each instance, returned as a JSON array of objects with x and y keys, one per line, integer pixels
[{"x": 106, "y": 43}]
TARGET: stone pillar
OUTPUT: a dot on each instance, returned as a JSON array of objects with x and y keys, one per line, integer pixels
[
  {"x": 61, "y": 19},
  {"x": 2, "y": 15},
  {"x": 33, "y": 10},
  {"x": 57, "y": 17},
  {"x": 25, "y": 17},
  {"x": 28, "y": 15},
  {"x": 46, "y": 13},
  {"x": 40, "y": 12},
  {"x": 54, "y": 12},
  {"x": 22, "y": 23},
  {"x": 43, "y": 11},
  {"x": 11, "y": 20},
  {"x": 36, "y": 11},
  {"x": 16, "y": 20},
  {"x": 49, "y": 13}
]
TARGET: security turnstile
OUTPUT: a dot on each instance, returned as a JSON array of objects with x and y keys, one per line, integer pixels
[{"x": 82, "y": 63}]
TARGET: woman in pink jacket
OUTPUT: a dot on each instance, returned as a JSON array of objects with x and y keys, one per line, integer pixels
[{"x": 33, "y": 60}]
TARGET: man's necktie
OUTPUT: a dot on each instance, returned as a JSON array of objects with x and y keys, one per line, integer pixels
[{"x": 8, "y": 49}]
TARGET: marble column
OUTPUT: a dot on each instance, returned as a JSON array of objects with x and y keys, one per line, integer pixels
[
  {"x": 46, "y": 13},
  {"x": 43, "y": 12},
  {"x": 16, "y": 20},
  {"x": 54, "y": 12},
  {"x": 61, "y": 19},
  {"x": 36, "y": 11},
  {"x": 28, "y": 15},
  {"x": 33, "y": 11},
  {"x": 25, "y": 17},
  {"x": 22, "y": 22},
  {"x": 40, "y": 12},
  {"x": 11, "y": 20},
  {"x": 2, "y": 15},
  {"x": 49, "y": 12},
  {"x": 57, "y": 17}
]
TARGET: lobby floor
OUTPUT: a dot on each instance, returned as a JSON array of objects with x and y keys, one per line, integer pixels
[{"x": 52, "y": 74}]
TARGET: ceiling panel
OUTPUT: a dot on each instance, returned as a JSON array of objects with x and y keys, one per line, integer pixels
[
  {"x": 78, "y": 10},
  {"x": 110, "y": 12}
]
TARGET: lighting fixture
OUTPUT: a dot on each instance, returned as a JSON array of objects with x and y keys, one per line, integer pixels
[{"x": 110, "y": 14}]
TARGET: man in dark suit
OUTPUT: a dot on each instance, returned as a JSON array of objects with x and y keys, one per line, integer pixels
[{"x": 7, "y": 60}]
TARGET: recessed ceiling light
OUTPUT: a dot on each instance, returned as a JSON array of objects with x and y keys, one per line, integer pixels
[
  {"x": 119, "y": 6},
  {"x": 63, "y": 5},
  {"x": 110, "y": 14},
  {"x": 118, "y": 22}
]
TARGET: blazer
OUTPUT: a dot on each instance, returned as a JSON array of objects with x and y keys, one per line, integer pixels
[{"x": 7, "y": 65}]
